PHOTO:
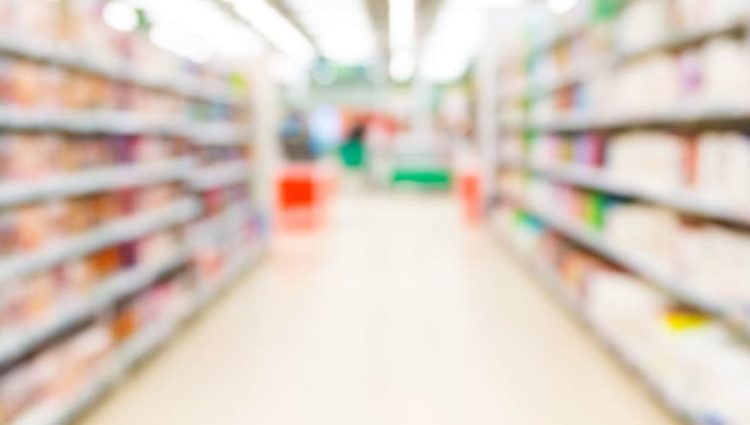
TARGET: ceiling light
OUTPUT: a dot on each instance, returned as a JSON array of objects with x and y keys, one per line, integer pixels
[
  {"x": 341, "y": 29},
  {"x": 199, "y": 32},
  {"x": 276, "y": 28},
  {"x": 453, "y": 42},
  {"x": 500, "y": 4},
  {"x": 402, "y": 67},
  {"x": 120, "y": 16},
  {"x": 561, "y": 6},
  {"x": 402, "y": 20}
]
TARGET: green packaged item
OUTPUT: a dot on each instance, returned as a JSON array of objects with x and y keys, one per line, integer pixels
[{"x": 595, "y": 210}]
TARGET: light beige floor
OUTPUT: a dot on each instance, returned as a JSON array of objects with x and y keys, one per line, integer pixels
[{"x": 395, "y": 315}]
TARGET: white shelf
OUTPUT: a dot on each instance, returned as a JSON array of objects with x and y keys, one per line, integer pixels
[
  {"x": 74, "y": 58},
  {"x": 125, "y": 359},
  {"x": 683, "y": 39},
  {"x": 108, "y": 292},
  {"x": 220, "y": 175},
  {"x": 733, "y": 316},
  {"x": 109, "y": 234},
  {"x": 217, "y": 134},
  {"x": 213, "y": 229},
  {"x": 678, "y": 117},
  {"x": 140, "y": 347},
  {"x": 552, "y": 283},
  {"x": 92, "y": 181},
  {"x": 121, "y": 122},
  {"x": 684, "y": 201}
]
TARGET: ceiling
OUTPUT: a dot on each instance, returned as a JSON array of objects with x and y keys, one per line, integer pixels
[
  {"x": 433, "y": 39},
  {"x": 378, "y": 13}
]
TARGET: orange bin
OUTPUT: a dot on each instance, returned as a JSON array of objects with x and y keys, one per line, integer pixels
[
  {"x": 470, "y": 193},
  {"x": 303, "y": 192}
]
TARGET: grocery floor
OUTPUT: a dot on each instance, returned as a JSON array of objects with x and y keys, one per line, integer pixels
[{"x": 397, "y": 313}]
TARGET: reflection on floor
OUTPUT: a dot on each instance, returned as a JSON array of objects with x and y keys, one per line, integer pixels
[{"x": 396, "y": 314}]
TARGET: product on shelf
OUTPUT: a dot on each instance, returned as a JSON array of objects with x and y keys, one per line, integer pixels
[
  {"x": 624, "y": 179},
  {"x": 102, "y": 133},
  {"x": 689, "y": 357},
  {"x": 712, "y": 167}
]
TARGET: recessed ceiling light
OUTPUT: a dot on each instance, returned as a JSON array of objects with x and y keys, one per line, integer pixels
[
  {"x": 561, "y": 6},
  {"x": 120, "y": 16}
]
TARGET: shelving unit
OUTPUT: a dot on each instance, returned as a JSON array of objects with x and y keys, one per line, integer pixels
[
  {"x": 97, "y": 180},
  {"x": 685, "y": 201},
  {"x": 107, "y": 235},
  {"x": 116, "y": 288},
  {"x": 118, "y": 123},
  {"x": 681, "y": 118},
  {"x": 138, "y": 349},
  {"x": 620, "y": 58},
  {"x": 552, "y": 284},
  {"x": 71, "y": 57},
  {"x": 97, "y": 226},
  {"x": 219, "y": 175},
  {"x": 560, "y": 143},
  {"x": 637, "y": 265}
]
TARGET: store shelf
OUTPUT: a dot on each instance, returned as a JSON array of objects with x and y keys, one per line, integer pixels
[
  {"x": 684, "y": 39},
  {"x": 120, "y": 123},
  {"x": 140, "y": 347},
  {"x": 74, "y": 58},
  {"x": 212, "y": 229},
  {"x": 555, "y": 287},
  {"x": 109, "y": 234},
  {"x": 220, "y": 175},
  {"x": 684, "y": 201},
  {"x": 18, "y": 192},
  {"x": 687, "y": 118},
  {"x": 108, "y": 293},
  {"x": 216, "y": 134},
  {"x": 661, "y": 279},
  {"x": 682, "y": 117}
]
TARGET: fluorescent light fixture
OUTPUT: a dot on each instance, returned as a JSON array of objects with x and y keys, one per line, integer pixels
[
  {"x": 456, "y": 36},
  {"x": 402, "y": 18},
  {"x": 453, "y": 42},
  {"x": 402, "y": 67},
  {"x": 276, "y": 28},
  {"x": 180, "y": 43},
  {"x": 499, "y": 4},
  {"x": 342, "y": 29},
  {"x": 286, "y": 71},
  {"x": 120, "y": 16},
  {"x": 561, "y": 6},
  {"x": 401, "y": 37},
  {"x": 200, "y": 31}
]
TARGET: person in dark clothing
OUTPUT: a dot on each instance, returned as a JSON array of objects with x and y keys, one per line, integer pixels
[
  {"x": 295, "y": 138},
  {"x": 353, "y": 151}
]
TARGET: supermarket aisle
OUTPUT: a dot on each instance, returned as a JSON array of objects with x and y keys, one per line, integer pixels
[{"x": 396, "y": 315}]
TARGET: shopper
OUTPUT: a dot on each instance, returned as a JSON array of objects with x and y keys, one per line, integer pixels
[
  {"x": 353, "y": 151},
  {"x": 295, "y": 138}
]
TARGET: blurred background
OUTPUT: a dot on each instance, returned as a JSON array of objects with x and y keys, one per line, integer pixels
[{"x": 374, "y": 212}]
